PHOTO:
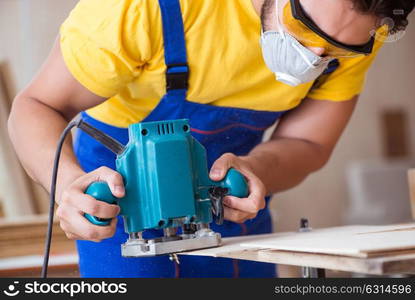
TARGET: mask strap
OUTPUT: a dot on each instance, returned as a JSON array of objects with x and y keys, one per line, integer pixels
[
  {"x": 311, "y": 65},
  {"x": 280, "y": 30}
]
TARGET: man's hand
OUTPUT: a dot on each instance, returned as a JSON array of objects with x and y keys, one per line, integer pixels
[
  {"x": 240, "y": 209},
  {"x": 75, "y": 203}
]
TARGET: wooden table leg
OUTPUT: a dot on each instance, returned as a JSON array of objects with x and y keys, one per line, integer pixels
[
  {"x": 321, "y": 273},
  {"x": 308, "y": 272}
]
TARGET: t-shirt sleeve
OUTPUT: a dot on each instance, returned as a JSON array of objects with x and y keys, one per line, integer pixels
[
  {"x": 347, "y": 80},
  {"x": 104, "y": 44}
]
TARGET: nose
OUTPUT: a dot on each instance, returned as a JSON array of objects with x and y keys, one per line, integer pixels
[{"x": 317, "y": 50}]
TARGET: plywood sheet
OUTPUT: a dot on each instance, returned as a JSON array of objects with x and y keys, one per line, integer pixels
[
  {"x": 383, "y": 263},
  {"x": 355, "y": 241},
  {"x": 229, "y": 246}
]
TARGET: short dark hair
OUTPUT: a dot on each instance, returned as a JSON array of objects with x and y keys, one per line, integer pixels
[{"x": 395, "y": 10}]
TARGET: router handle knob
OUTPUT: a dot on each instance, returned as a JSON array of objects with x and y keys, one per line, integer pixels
[
  {"x": 236, "y": 184},
  {"x": 100, "y": 191}
]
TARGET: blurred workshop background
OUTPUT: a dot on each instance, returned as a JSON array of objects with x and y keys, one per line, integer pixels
[{"x": 365, "y": 181}]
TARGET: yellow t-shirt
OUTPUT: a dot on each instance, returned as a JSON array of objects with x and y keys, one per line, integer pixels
[{"x": 115, "y": 49}]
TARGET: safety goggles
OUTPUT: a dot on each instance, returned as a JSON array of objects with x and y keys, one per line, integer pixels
[{"x": 296, "y": 22}]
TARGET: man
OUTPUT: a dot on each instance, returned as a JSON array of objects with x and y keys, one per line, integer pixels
[{"x": 242, "y": 65}]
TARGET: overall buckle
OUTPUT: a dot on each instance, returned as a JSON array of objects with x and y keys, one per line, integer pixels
[{"x": 177, "y": 76}]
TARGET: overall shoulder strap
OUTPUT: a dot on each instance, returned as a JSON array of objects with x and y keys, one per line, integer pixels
[
  {"x": 177, "y": 72},
  {"x": 333, "y": 66}
]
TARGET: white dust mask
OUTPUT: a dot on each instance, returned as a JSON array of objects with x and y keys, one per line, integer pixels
[{"x": 291, "y": 62}]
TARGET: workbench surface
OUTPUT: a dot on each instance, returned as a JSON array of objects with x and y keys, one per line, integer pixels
[{"x": 375, "y": 262}]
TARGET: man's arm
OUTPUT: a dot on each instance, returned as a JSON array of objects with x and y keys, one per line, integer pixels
[
  {"x": 301, "y": 144},
  {"x": 39, "y": 115}
]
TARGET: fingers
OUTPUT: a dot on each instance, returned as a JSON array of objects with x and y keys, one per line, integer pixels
[
  {"x": 72, "y": 236},
  {"x": 77, "y": 227},
  {"x": 113, "y": 178},
  {"x": 254, "y": 202},
  {"x": 76, "y": 198},
  {"x": 237, "y": 216},
  {"x": 240, "y": 209},
  {"x": 75, "y": 203},
  {"x": 221, "y": 166}
]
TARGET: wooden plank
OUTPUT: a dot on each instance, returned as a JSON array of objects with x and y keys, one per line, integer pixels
[
  {"x": 356, "y": 241},
  {"x": 22, "y": 243},
  {"x": 39, "y": 196},
  {"x": 228, "y": 246},
  {"x": 411, "y": 182},
  {"x": 403, "y": 264},
  {"x": 15, "y": 190},
  {"x": 260, "y": 241},
  {"x": 26, "y": 236},
  {"x": 390, "y": 262},
  {"x": 388, "y": 265},
  {"x": 64, "y": 265},
  {"x": 58, "y": 271}
]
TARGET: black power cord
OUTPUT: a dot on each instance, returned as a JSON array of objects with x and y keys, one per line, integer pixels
[
  {"x": 98, "y": 135},
  {"x": 53, "y": 194}
]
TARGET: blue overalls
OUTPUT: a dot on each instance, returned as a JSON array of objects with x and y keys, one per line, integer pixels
[{"x": 219, "y": 129}]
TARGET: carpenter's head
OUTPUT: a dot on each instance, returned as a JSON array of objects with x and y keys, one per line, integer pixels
[{"x": 348, "y": 22}]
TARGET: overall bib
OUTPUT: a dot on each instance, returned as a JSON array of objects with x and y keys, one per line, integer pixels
[{"x": 219, "y": 129}]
